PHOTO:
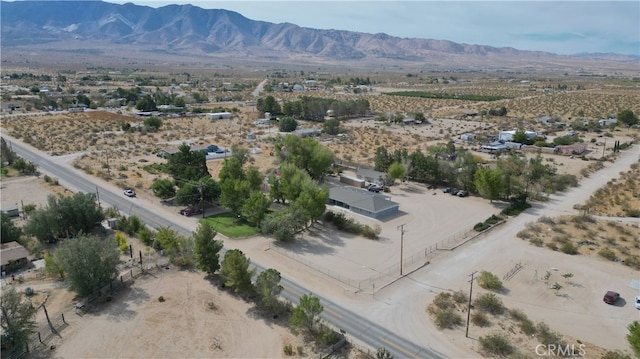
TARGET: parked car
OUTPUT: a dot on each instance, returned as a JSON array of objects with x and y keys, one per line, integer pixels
[
  {"x": 374, "y": 188},
  {"x": 453, "y": 192},
  {"x": 446, "y": 189},
  {"x": 462, "y": 193},
  {"x": 637, "y": 302},
  {"x": 611, "y": 297},
  {"x": 191, "y": 211},
  {"x": 129, "y": 193}
]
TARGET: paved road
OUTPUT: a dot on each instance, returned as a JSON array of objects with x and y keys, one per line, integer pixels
[{"x": 357, "y": 327}]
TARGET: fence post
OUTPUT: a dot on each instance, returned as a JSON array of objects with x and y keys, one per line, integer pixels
[
  {"x": 121, "y": 280},
  {"x": 40, "y": 338},
  {"x": 64, "y": 321}
]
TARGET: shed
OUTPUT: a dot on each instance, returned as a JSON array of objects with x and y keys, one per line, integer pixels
[
  {"x": 363, "y": 202},
  {"x": 219, "y": 115},
  {"x": 14, "y": 253},
  {"x": 573, "y": 149},
  {"x": 352, "y": 181},
  {"x": 12, "y": 211},
  {"x": 307, "y": 132},
  {"x": 371, "y": 175}
]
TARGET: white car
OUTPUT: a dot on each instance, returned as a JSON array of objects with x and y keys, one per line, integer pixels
[
  {"x": 637, "y": 302},
  {"x": 129, "y": 193}
]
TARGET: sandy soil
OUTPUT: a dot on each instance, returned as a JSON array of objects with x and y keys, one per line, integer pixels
[{"x": 195, "y": 313}]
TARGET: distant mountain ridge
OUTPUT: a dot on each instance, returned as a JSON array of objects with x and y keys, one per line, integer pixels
[{"x": 189, "y": 29}]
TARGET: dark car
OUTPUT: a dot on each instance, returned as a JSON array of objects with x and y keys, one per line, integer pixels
[
  {"x": 374, "y": 188},
  {"x": 462, "y": 193},
  {"x": 190, "y": 211},
  {"x": 611, "y": 297},
  {"x": 446, "y": 190}
]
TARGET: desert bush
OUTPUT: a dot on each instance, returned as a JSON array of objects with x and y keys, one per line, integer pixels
[
  {"x": 490, "y": 281},
  {"x": 496, "y": 344},
  {"x": 548, "y": 336},
  {"x": 607, "y": 253},
  {"x": 569, "y": 248},
  {"x": 443, "y": 300},
  {"x": 447, "y": 318},
  {"x": 517, "y": 315},
  {"x": 350, "y": 225},
  {"x": 460, "y": 297},
  {"x": 328, "y": 336},
  {"x": 552, "y": 246},
  {"x": 29, "y": 292},
  {"x": 480, "y": 319},
  {"x": 546, "y": 220},
  {"x": 516, "y": 207},
  {"x": 633, "y": 261},
  {"x": 481, "y": 226},
  {"x": 536, "y": 242},
  {"x": 615, "y": 355},
  {"x": 524, "y": 234},
  {"x": 161, "y": 299},
  {"x": 287, "y": 349},
  {"x": 490, "y": 303}
]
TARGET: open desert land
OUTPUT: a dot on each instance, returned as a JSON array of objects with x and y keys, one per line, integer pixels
[{"x": 362, "y": 274}]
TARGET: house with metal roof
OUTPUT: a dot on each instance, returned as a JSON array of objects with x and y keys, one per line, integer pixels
[{"x": 363, "y": 202}]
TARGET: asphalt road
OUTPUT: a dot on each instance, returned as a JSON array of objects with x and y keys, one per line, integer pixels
[{"x": 356, "y": 327}]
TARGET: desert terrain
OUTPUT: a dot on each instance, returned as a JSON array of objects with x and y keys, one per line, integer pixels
[{"x": 358, "y": 273}]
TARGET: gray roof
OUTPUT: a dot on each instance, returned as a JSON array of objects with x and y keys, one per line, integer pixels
[
  {"x": 12, "y": 251},
  {"x": 363, "y": 199},
  {"x": 370, "y": 173}
]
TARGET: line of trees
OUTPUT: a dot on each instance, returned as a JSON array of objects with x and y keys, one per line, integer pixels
[{"x": 314, "y": 108}]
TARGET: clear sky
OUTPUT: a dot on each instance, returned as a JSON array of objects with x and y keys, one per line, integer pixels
[{"x": 562, "y": 27}]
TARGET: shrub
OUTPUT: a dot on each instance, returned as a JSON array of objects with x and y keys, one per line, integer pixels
[
  {"x": 447, "y": 318},
  {"x": 481, "y": 226},
  {"x": 459, "y": 297},
  {"x": 536, "y": 242},
  {"x": 328, "y": 336},
  {"x": 516, "y": 207},
  {"x": 569, "y": 248},
  {"x": 490, "y": 281},
  {"x": 633, "y": 261},
  {"x": 548, "y": 336},
  {"x": 528, "y": 327},
  {"x": 443, "y": 300},
  {"x": 615, "y": 355},
  {"x": 287, "y": 349},
  {"x": 524, "y": 234},
  {"x": 161, "y": 299},
  {"x": 518, "y": 315},
  {"x": 490, "y": 303},
  {"x": 496, "y": 344},
  {"x": 607, "y": 253},
  {"x": 480, "y": 319},
  {"x": 28, "y": 291}
]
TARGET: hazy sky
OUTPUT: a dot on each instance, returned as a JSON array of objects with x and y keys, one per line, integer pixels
[{"x": 563, "y": 27}]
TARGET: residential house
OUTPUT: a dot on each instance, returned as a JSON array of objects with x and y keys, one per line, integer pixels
[
  {"x": 506, "y": 136},
  {"x": 219, "y": 115},
  {"x": 371, "y": 175}
]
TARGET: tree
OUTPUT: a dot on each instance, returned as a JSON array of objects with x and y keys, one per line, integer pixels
[
  {"x": 163, "y": 188},
  {"x": 235, "y": 271},
  {"x": 146, "y": 103},
  {"x": 255, "y": 207},
  {"x": 382, "y": 159},
  {"x": 331, "y": 126},
  {"x": 520, "y": 137},
  {"x": 634, "y": 337},
  {"x": 305, "y": 153},
  {"x": 419, "y": 117},
  {"x": 269, "y": 104},
  {"x": 396, "y": 171},
  {"x": 64, "y": 217},
  {"x": 287, "y": 124},
  {"x": 306, "y": 315},
  {"x": 153, "y": 123},
  {"x": 8, "y": 230},
  {"x": 89, "y": 262},
  {"x": 489, "y": 183},
  {"x": 284, "y": 224},
  {"x": 51, "y": 267},
  {"x": 269, "y": 288},
  {"x": 627, "y": 117},
  {"x": 188, "y": 194},
  {"x": 18, "y": 318},
  {"x": 206, "y": 248},
  {"x": 187, "y": 165}
]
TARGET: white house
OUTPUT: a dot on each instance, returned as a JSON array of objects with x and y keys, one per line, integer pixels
[
  {"x": 468, "y": 137},
  {"x": 604, "y": 122},
  {"x": 262, "y": 122}
]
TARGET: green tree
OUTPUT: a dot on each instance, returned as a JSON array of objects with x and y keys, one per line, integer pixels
[
  {"x": 382, "y": 159},
  {"x": 188, "y": 194},
  {"x": 311, "y": 201},
  {"x": 146, "y": 103},
  {"x": 64, "y": 217},
  {"x": 396, "y": 171},
  {"x": 51, "y": 267},
  {"x": 634, "y": 337},
  {"x": 163, "y": 188},
  {"x": 18, "y": 319},
  {"x": 89, "y": 263},
  {"x": 178, "y": 248},
  {"x": 235, "y": 271},
  {"x": 187, "y": 165},
  {"x": 627, "y": 117},
  {"x": 305, "y": 153},
  {"x": 236, "y": 182},
  {"x": 269, "y": 288},
  {"x": 306, "y": 315},
  {"x": 331, "y": 126},
  {"x": 419, "y": 116},
  {"x": 488, "y": 182},
  {"x": 269, "y": 104},
  {"x": 255, "y": 207},
  {"x": 275, "y": 188},
  {"x": 287, "y": 124},
  {"x": 206, "y": 248},
  {"x": 284, "y": 224},
  {"x": 8, "y": 230},
  {"x": 153, "y": 123}
]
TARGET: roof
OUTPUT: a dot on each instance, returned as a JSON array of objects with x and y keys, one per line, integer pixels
[
  {"x": 12, "y": 251},
  {"x": 370, "y": 173},
  {"x": 362, "y": 199}
]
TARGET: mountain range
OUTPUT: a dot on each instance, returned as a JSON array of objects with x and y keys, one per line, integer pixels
[{"x": 187, "y": 30}]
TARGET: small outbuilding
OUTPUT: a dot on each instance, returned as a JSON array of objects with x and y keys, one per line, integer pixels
[
  {"x": 219, "y": 115},
  {"x": 13, "y": 256}
]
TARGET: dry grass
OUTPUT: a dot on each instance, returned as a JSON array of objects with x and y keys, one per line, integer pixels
[{"x": 620, "y": 197}]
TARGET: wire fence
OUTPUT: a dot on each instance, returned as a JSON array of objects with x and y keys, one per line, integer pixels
[{"x": 390, "y": 274}]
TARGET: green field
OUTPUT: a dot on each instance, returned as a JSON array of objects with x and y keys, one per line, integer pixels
[
  {"x": 229, "y": 225},
  {"x": 445, "y": 96}
]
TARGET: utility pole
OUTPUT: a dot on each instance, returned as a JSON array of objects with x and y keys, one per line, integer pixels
[
  {"x": 98, "y": 196},
  {"x": 401, "y": 228},
  {"x": 469, "y": 305},
  {"x": 604, "y": 147}
]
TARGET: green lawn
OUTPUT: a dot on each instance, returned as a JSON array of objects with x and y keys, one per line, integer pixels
[{"x": 228, "y": 225}]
